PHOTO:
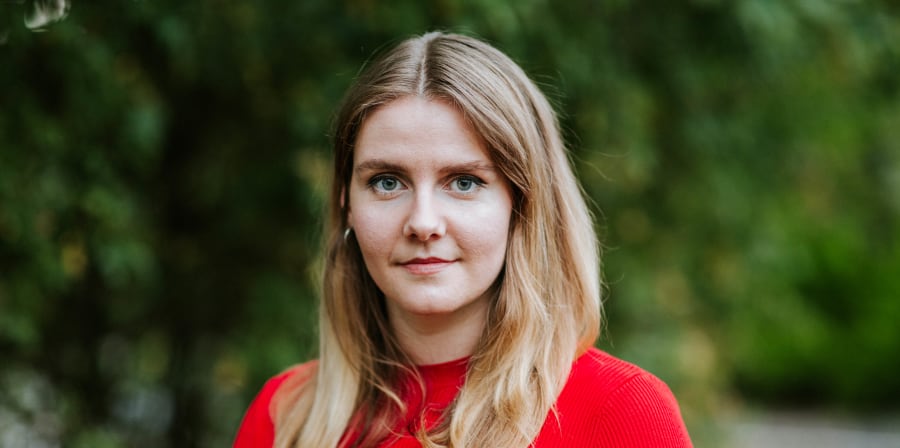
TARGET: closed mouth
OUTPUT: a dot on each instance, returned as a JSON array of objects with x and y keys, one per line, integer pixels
[
  {"x": 425, "y": 266},
  {"x": 429, "y": 260}
]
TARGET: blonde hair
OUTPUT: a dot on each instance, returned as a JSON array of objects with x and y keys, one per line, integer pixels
[{"x": 546, "y": 309}]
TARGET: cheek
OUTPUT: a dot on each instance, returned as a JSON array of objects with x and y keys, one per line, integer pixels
[
  {"x": 487, "y": 235},
  {"x": 373, "y": 231}
]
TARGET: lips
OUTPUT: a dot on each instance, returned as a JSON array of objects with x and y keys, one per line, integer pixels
[{"x": 426, "y": 266}]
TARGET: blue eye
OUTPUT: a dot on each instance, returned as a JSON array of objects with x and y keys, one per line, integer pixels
[
  {"x": 388, "y": 183},
  {"x": 466, "y": 184},
  {"x": 385, "y": 184}
]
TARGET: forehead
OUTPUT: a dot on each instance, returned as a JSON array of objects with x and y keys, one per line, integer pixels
[{"x": 414, "y": 129}]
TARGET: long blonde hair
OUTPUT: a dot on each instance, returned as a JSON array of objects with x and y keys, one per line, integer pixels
[{"x": 546, "y": 309}]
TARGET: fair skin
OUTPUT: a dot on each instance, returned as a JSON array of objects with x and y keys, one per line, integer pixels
[{"x": 431, "y": 215}]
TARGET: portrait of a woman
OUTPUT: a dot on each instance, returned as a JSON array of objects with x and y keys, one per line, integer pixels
[{"x": 460, "y": 299}]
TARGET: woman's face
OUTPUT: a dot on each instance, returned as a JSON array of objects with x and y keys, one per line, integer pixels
[{"x": 429, "y": 209}]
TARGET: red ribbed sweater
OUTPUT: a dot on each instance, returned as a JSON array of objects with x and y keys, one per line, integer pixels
[{"x": 606, "y": 403}]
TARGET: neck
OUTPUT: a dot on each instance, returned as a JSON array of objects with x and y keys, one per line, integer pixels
[{"x": 439, "y": 338}]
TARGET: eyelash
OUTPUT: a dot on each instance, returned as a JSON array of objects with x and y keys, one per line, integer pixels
[
  {"x": 476, "y": 182},
  {"x": 374, "y": 182}
]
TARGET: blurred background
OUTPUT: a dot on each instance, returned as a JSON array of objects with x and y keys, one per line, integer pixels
[{"x": 163, "y": 167}]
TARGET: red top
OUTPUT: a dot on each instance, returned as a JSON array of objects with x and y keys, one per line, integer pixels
[{"x": 606, "y": 403}]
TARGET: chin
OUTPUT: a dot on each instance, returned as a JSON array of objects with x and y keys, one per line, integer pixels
[
  {"x": 427, "y": 308},
  {"x": 432, "y": 310}
]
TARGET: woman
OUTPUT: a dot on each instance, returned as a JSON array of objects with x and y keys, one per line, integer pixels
[{"x": 461, "y": 291}]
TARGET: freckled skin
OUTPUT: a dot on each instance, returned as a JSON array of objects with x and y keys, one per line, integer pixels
[{"x": 431, "y": 215}]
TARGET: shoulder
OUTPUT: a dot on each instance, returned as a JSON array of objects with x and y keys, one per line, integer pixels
[
  {"x": 601, "y": 381},
  {"x": 602, "y": 371},
  {"x": 620, "y": 404},
  {"x": 297, "y": 372},
  {"x": 257, "y": 428}
]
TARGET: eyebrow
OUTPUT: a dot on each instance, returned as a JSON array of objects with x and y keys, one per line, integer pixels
[{"x": 384, "y": 165}]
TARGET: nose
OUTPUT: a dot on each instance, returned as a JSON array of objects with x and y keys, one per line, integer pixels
[{"x": 425, "y": 221}]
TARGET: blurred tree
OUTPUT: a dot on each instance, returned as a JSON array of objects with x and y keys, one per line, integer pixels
[{"x": 163, "y": 167}]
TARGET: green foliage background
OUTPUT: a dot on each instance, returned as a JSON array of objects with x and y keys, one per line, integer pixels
[{"x": 163, "y": 167}]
